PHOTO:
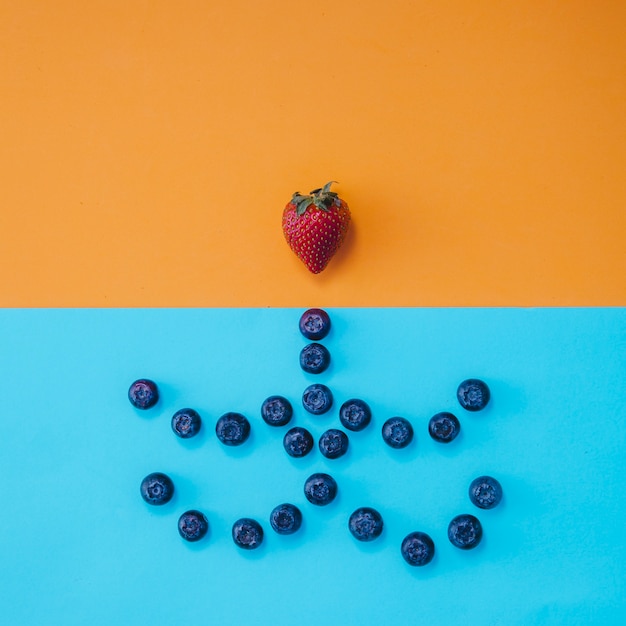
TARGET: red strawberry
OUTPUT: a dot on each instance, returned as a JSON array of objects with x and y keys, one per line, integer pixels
[{"x": 315, "y": 226}]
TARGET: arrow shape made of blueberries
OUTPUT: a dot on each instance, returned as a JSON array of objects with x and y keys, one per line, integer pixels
[{"x": 366, "y": 524}]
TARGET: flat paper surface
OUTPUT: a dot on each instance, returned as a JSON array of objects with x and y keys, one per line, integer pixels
[
  {"x": 79, "y": 545},
  {"x": 149, "y": 148}
]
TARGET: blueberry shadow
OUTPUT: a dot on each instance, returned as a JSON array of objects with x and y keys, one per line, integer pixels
[
  {"x": 505, "y": 400},
  {"x": 478, "y": 550},
  {"x": 192, "y": 443},
  {"x": 294, "y": 540},
  {"x": 304, "y": 532},
  {"x": 152, "y": 413},
  {"x": 163, "y": 510},
  {"x": 367, "y": 438},
  {"x": 341, "y": 461},
  {"x": 401, "y": 455},
  {"x": 370, "y": 547},
  {"x": 507, "y": 524},
  {"x": 243, "y": 450},
  {"x": 497, "y": 511},
  {"x": 451, "y": 449},
  {"x": 256, "y": 553},
  {"x": 313, "y": 378},
  {"x": 332, "y": 506},
  {"x": 321, "y": 418},
  {"x": 424, "y": 572},
  {"x": 315, "y": 516},
  {"x": 272, "y": 428},
  {"x": 302, "y": 462},
  {"x": 465, "y": 558}
]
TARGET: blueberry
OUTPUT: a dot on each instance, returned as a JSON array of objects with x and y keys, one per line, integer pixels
[
  {"x": 186, "y": 423},
  {"x": 286, "y": 519},
  {"x": 473, "y": 394},
  {"x": 298, "y": 441},
  {"x": 314, "y": 324},
  {"x": 333, "y": 443},
  {"x": 193, "y": 525},
  {"x": 417, "y": 549},
  {"x": 143, "y": 393},
  {"x": 485, "y": 492},
  {"x": 317, "y": 399},
  {"x": 276, "y": 411},
  {"x": 314, "y": 358},
  {"x": 397, "y": 432},
  {"x": 247, "y": 533},
  {"x": 355, "y": 414},
  {"x": 232, "y": 429},
  {"x": 320, "y": 489},
  {"x": 444, "y": 427},
  {"x": 366, "y": 524},
  {"x": 157, "y": 488},
  {"x": 465, "y": 532}
]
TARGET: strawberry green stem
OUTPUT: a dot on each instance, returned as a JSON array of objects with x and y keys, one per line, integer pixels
[{"x": 322, "y": 198}]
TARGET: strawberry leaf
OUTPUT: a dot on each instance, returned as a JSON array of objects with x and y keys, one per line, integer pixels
[
  {"x": 303, "y": 204},
  {"x": 326, "y": 187},
  {"x": 322, "y": 198},
  {"x": 321, "y": 203}
]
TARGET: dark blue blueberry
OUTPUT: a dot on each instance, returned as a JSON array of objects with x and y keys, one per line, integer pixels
[
  {"x": 355, "y": 414},
  {"x": 417, "y": 549},
  {"x": 397, "y": 432},
  {"x": 143, "y": 393},
  {"x": 473, "y": 394},
  {"x": 193, "y": 525},
  {"x": 317, "y": 399},
  {"x": 315, "y": 324},
  {"x": 485, "y": 492},
  {"x": 286, "y": 519},
  {"x": 186, "y": 423},
  {"x": 314, "y": 358},
  {"x": 320, "y": 489},
  {"x": 157, "y": 488},
  {"x": 232, "y": 429},
  {"x": 465, "y": 532},
  {"x": 366, "y": 524},
  {"x": 333, "y": 443},
  {"x": 444, "y": 427},
  {"x": 247, "y": 533},
  {"x": 298, "y": 442},
  {"x": 276, "y": 411}
]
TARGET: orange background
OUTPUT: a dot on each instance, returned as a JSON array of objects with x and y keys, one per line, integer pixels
[{"x": 148, "y": 148}]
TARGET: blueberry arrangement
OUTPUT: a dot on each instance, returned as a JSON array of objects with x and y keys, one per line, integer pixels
[{"x": 320, "y": 489}]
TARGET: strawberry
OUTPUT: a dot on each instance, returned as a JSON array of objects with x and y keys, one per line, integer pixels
[{"x": 315, "y": 226}]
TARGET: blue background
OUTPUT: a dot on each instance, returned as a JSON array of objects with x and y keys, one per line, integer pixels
[{"x": 79, "y": 545}]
